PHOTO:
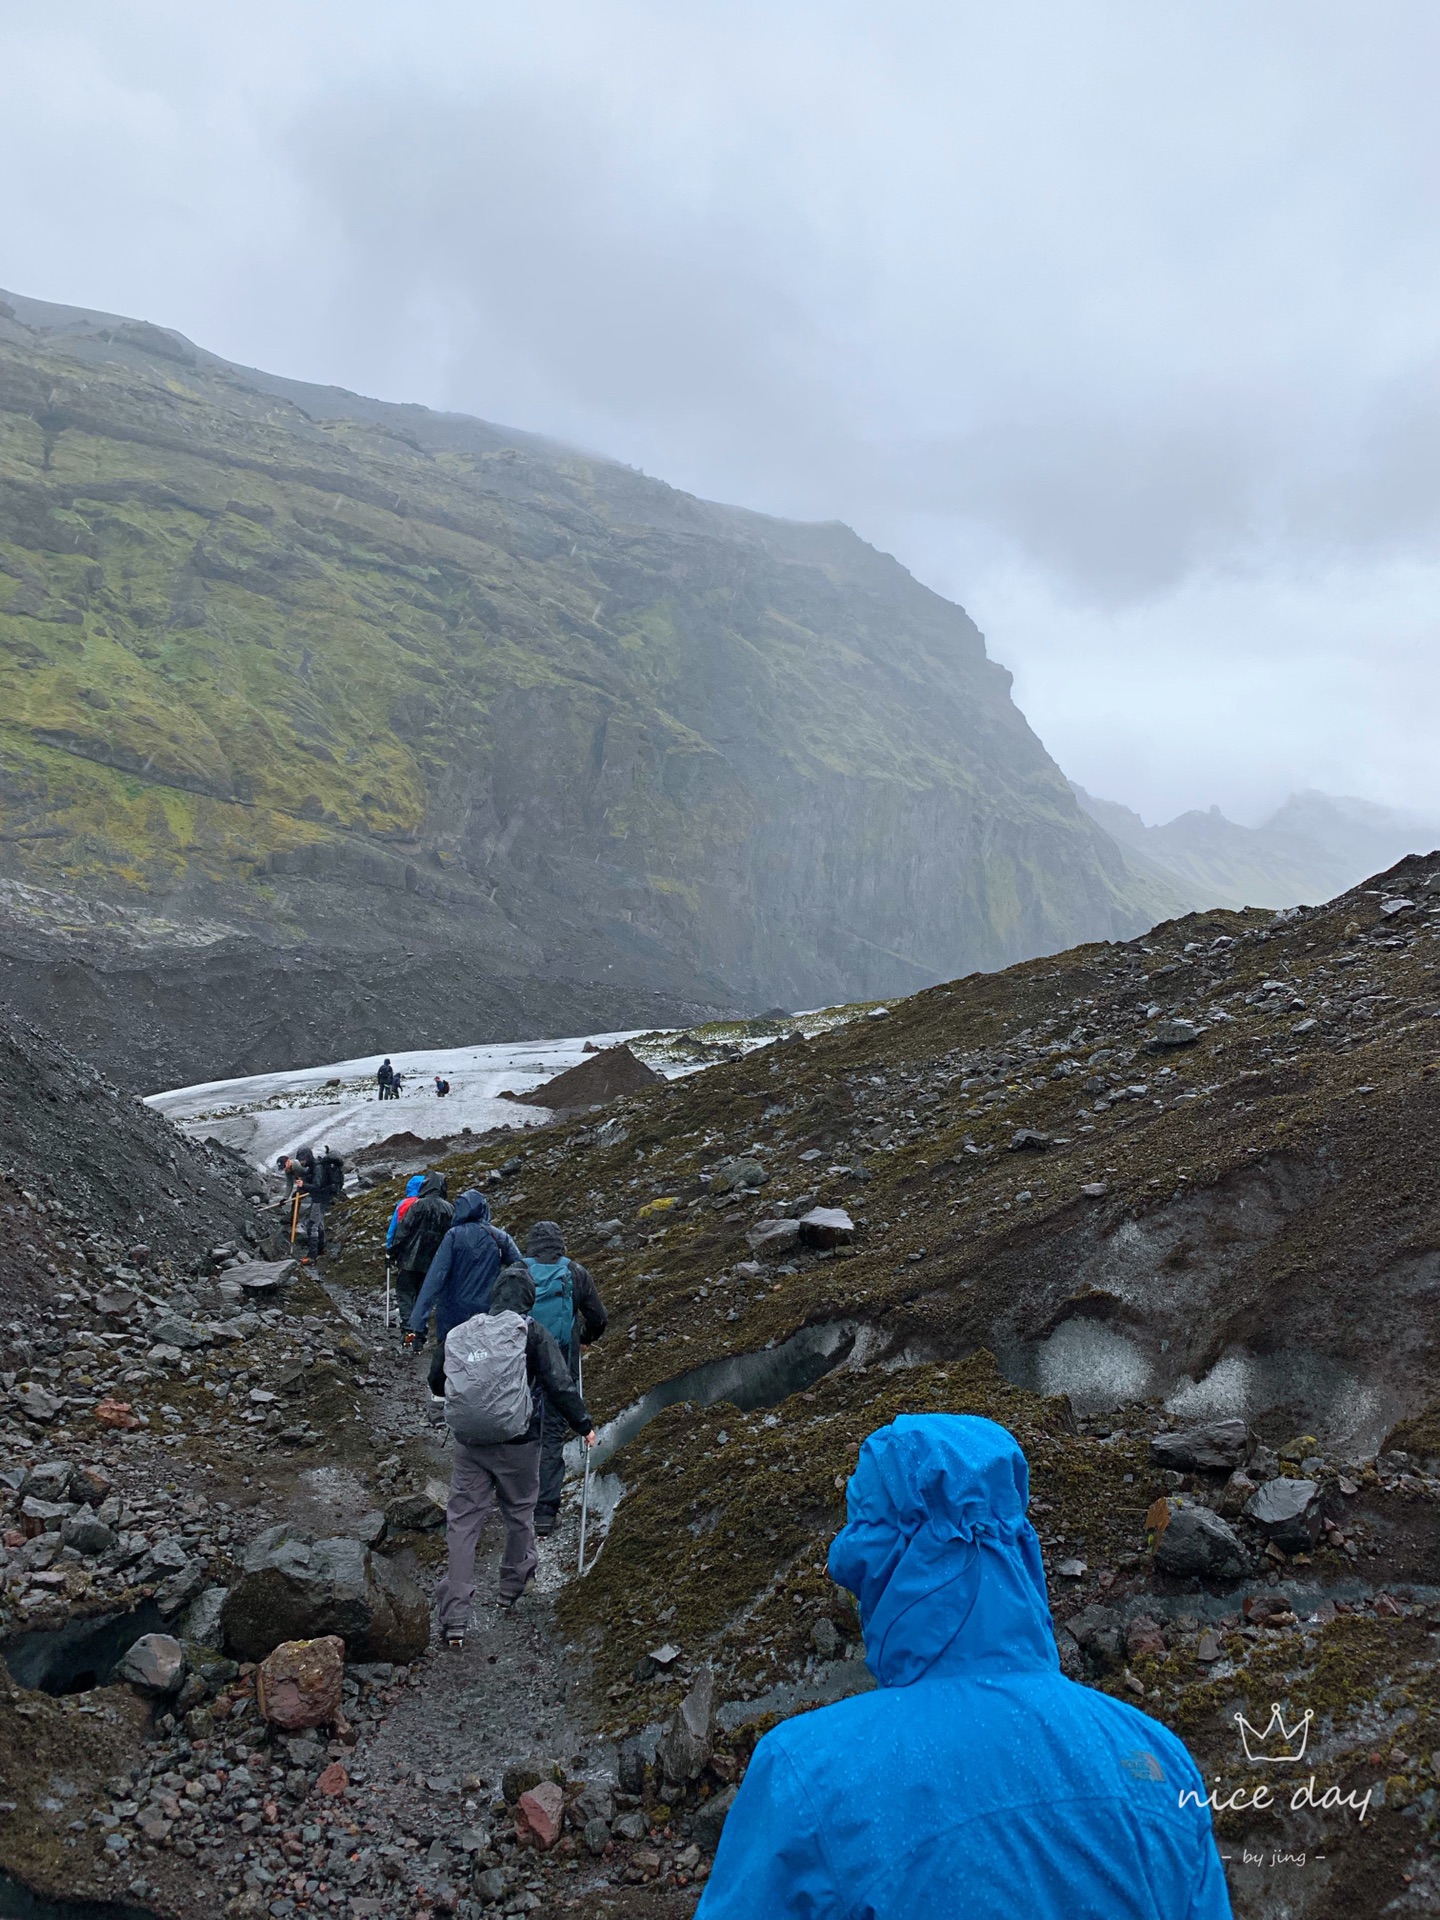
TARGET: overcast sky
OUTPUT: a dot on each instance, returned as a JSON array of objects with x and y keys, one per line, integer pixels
[{"x": 1116, "y": 322}]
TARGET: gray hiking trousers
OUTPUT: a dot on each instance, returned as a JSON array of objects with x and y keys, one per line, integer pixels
[
  {"x": 509, "y": 1474},
  {"x": 312, "y": 1225}
]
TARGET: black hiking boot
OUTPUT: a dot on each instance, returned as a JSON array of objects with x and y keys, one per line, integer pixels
[{"x": 546, "y": 1523}]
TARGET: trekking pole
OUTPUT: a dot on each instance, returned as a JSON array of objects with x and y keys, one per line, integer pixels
[
  {"x": 387, "y": 1296},
  {"x": 585, "y": 1492}
]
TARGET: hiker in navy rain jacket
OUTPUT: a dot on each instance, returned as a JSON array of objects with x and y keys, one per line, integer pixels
[
  {"x": 586, "y": 1320},
  {"x": 461, "y": 1275},
  {"x": 976, "y": 1781}
]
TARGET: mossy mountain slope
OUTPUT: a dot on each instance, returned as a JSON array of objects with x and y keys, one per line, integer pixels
[
  {"x": 1238, "y": 1219},
  {"x": 336, "y": 676}
]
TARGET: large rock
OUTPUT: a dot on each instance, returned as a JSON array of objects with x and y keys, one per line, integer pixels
[
  {"x": 155, "y": 1664},
  {"x": 768, "y": 1237},
  {"x": 295, "y": 1588},
  {"x": 299, "y": 1683},
  {"x": 1287, "y": 1512},
  {"x": 825, "y": 1227},
  {"x": 708, "y": 1821},
  {"x": 1197, "y": 1541},
  {"x": 539, "y": 1813},
  {"x": 1173, "y": 1033},
  {"x": 731, "y": 1174},
  {"x": 1214, "y": 1448},
  {"x": 685, "y": 1744}
]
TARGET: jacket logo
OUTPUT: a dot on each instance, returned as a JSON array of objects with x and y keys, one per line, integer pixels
[{"x": 1278, "y": 1745}]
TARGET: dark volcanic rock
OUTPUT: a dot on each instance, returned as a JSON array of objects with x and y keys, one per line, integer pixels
[
  {"x": 1217, "y": 1447},
  {"x": 1197, "y": 1541},
  {"x": 1287, "y": 1512},
  {"x": 295, "y": 1589}
]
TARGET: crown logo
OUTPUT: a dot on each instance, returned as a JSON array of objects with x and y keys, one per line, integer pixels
[{"x": 1278, "y": 1745}]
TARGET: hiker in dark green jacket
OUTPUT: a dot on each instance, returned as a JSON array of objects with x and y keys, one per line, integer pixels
[{"x": 566, "y": 1301}]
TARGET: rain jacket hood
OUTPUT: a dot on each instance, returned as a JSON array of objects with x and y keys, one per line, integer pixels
[
  {"x": 545, "y": 1242},
  {"x": 939, "y": 1554},
  {"x": 975, "y": 1779},
  {"x": 472, "y": 1206},
  {"x": 412, "y": 1188},
  {"x": 435, "y": 1183}
]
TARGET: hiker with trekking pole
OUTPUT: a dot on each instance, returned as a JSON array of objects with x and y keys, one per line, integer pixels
[
  {"x": 502, "y": 1373},
  {"x": 568, "y": 1303}
]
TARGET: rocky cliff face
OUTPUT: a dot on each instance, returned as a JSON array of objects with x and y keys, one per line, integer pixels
[{"x": 337, "y": 680}]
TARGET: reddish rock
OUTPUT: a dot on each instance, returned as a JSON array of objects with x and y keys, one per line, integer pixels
[
  {"x": 116, "y": 1413},
  {"x": 334, "y": 1780},
  {"x": 298, "y": 1685},
  {"x": 539, "y": 1813},
  {"x": 1144, "y": 1637}
]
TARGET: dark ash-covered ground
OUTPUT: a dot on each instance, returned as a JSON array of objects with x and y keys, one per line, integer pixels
[{"x": 1259, "y": 1240}]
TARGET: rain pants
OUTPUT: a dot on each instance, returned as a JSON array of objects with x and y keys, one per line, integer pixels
[{"x": 976, "y": 1780}]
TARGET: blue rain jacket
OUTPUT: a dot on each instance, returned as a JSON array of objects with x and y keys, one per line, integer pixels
[
  {"x": 977, "y": 1781},
  {"x": 458, "y": 1280},
  {"x": 412, "y": 1187}
]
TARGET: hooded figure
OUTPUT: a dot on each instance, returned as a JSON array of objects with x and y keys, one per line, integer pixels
[
  {"x": 412, "y": 1188},
  {"x": 506, "y": 1473},
  {"x": 976, "y": 1780},
  {"x": 419, "y": 1230},
  {"x": 569, "y": 1305},
  {"x": 459, "y": 1278}
]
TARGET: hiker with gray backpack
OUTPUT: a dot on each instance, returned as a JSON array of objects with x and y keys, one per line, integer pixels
[
  {"x": 502, "y": 1371},
  {"x": 458, "y": 1280},
  {"x": 568, "y": 1304}
]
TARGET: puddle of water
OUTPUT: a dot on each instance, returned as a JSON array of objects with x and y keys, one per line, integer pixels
[{"x": 19, "y": 1902}]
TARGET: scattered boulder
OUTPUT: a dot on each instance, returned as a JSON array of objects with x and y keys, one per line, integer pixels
[
  {"x": 414, "y": 1513},
  {"x": 1214, "y": 1448},
  {"x": 1287, "y": 1512},
  {"x": 1143, "y": 1637},
  {"x": 49, "y": 1479},
  {"x": 658, "y": 1660},
  {"x": 686, "y": 1743},
  {"x": 203, "y": 1623},
  {"x": 1196, "y": 1541},
  {"x": 298, "y": 1684},
  {"x": 155, "y": 1664},
  {"x": 708, "y": 1821},
  {"x": 36, "y": 1402},
  {"x": 293, "y": 1588},
  {"x": 774, "y": 1236},
  {"x": 597, "y": 1836},
  {"x": 827, "y": 1227},
  {"x": 631, "y": 1826},
  {"x": 1027, "y": 1140},
  {"x": 732, "y": 1174},
  {"x": 825, "y": 1638},
  {"x": 1173, "y": 1033},
  {"x": 263, "y": 1276},
  {"x": 538, "y": 1815},
  {"x": 593, "y": 1802},
  {"x": 169, "y": 1330},
  {"x": 87, "y": 1535},
  {"x": 89, "y": 1486}
]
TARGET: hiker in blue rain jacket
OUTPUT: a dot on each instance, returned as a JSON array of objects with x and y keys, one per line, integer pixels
[
  {"x": 412, "y": 1188},
  {"x": 977, "y": 1780},
  {"x": 458, "y": 1282}
]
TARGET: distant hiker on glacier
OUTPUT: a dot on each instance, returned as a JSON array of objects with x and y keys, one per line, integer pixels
[
  {"x": 503, "y": 1372},
  {"x": 458, "y": 1281},
  {"x": 977, "y": 1779},
  {"x": 568, "y": 1304},
  {"x": 442, "y": 1087},
  {"x": 419, "y": 1229},
  {"x": 385, "y": 1079}
]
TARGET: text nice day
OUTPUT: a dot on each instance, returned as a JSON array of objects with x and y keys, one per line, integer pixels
[{"x": 1261, "y": 1797}]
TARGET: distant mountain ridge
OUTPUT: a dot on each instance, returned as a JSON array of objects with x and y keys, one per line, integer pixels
[
  {"x": 1311, "y": 848},
  {"x": 444, "y": 732}
]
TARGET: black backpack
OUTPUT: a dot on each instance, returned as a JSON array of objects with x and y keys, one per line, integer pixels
[{"x": 329, "y": 1176}]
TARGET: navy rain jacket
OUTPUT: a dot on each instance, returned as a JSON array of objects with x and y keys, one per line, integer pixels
[
  {"x": 977, "y": 1780},
  {"x": 458, "y": 1282}
]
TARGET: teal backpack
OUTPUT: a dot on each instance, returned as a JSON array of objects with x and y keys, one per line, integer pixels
[{"x": 554, "y": 1304}]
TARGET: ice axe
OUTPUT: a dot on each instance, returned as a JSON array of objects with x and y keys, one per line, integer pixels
[{"x": 294, "y": 1219}]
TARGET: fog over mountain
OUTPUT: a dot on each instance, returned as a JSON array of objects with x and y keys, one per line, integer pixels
[{"x": 1114, "y": 324}]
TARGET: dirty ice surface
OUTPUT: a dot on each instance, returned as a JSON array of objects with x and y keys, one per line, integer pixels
[{"x": 339, "y": 1106}]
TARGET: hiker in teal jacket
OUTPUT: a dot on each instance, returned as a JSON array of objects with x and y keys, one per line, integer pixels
[
  {"x": 568, "y": 1302},
  {"x": 977, "y": 1780}
]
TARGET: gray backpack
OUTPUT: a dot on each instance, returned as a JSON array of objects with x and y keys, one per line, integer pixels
[{"x": 487, "y": 1387}]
